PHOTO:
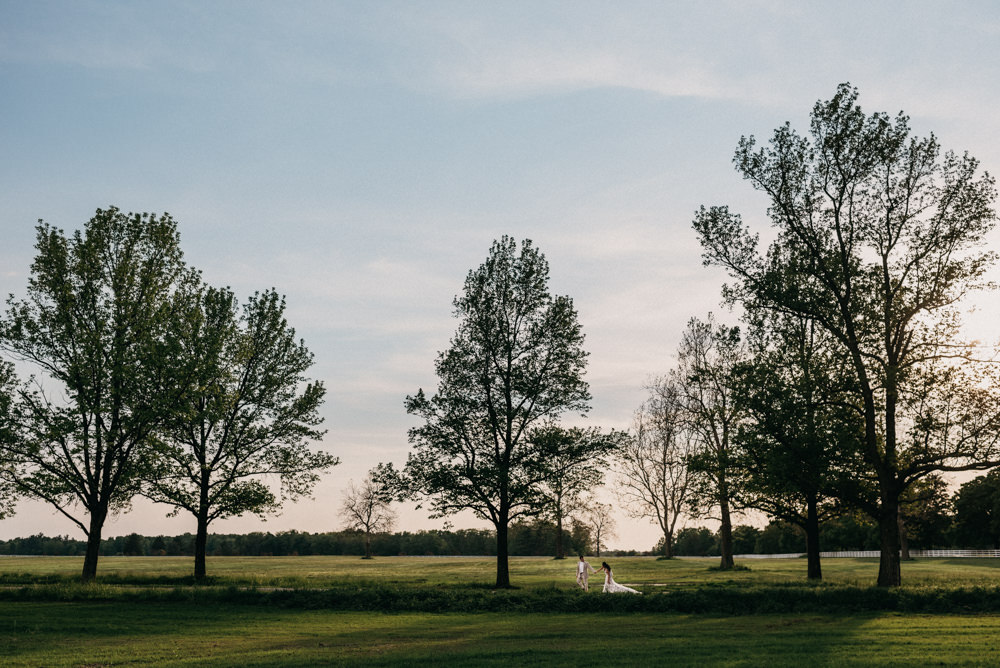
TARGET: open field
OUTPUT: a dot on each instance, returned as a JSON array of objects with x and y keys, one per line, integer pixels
[
  {"x": 287, "y": 611},
  {"x": 462, "y": 572},
  {"x": 89, "y": 634}
]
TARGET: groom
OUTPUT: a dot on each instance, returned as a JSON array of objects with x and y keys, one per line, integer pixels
[{"x": 583, "y": 571}]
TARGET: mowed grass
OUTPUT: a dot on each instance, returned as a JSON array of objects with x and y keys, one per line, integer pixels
[
  {"x": 102, "y": 634},
  {"x": 464, "y": 572},
  {"x": 219, "y": 629}
]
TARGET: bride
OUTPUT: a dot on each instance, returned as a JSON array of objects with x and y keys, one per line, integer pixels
[{"x": 612, "y": 587}]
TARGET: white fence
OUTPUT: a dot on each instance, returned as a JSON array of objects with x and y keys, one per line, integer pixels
[{"x": 875, "y": 554}]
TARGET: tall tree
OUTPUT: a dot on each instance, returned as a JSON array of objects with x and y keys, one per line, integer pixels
[
  {"x": 878, "y": 237},
  {"x": 577, "y": 459},
  {"x": 800, "y": 443},
  {"x": 925, "y": 515},
  {"x": 97, "y": 322},
  {"x": 654, "y": 477},
  {"x": 248, "y": 415},
  {"x": 515, "y": 362},
  {"x": 977, "y": 512},
  {"x": 367, "y": 507},
  {"x": 600, "y": 519},
  {"x": 709, "y": 361}
]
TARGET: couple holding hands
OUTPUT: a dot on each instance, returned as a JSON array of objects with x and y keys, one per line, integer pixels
[{"x": 584, "y": 569}]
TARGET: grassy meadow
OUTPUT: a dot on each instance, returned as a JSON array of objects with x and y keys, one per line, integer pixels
[
  {"x": 464, "y": 572},
  {"x": 287, "y": 611}
]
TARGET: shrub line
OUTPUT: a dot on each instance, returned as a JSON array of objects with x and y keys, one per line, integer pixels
[{"x": 697, "y": 600}]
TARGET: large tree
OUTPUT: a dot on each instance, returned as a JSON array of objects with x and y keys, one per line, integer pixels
[
  {"x": 577, "y": 458},
  {"x": 248, "y": 415},
  {"x": 800, "y": 441},
  {"x": 515, "y": 363},
  {"x": 977, "y": 512},
  {"x": 878, "y": 236},
  {"x": 654, "y": 479},
  {"x": 97, "y": 322},
  {"x": 710, "y": 358}
]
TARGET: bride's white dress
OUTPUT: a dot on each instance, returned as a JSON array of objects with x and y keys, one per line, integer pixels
[{"x": 612, "y": 587}]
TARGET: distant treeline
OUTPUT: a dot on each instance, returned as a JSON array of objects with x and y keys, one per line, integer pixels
[
  {"x": 532, "y": 539},
  {"x": 535, "y": 539}
]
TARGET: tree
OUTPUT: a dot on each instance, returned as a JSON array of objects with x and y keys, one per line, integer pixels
[
  {"x": 707, "y": 378},
  {"x": 696, "y": 542},
  {"x": 878, "y": 239},
  {"x": 599, "y": 518},
  {"x": 925, "y": 515},
  {"x": 654, "y": 477},
  {"x": 576, "y": 458},
  {"x": 9, "y": 435},
  {"x": 97, "y": 322},
  {"x": 800, "y": 442},
  {"x": 248, "y": 413},
  {"x": 367, "y": 508},
  {"x": 515, "y": 362},
  {"x": 977, "y": 512}
]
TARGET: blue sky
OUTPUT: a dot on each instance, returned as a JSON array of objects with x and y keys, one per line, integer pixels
[{"x": 361, "y": 156}]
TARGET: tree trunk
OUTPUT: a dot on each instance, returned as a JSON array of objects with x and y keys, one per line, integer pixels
[
  {"x": 201, "y": 537},
  {"x": 813, "y": 569},
  {"x": 888, "y": 567},
  {"x": 93, "y": 545},
  {"x": 668, "y": 547},
  {"x": 560, "y": 550},
  {"x": 368, "y": 544},
  {"x": 201, "y": 545},
  {"x": 904, "y": 541},
  {"x": 503, "y": 568},
  {"x": 726, "y": 563}
]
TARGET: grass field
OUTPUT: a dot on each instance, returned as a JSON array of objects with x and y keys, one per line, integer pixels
[
  {"x": 60, "y": 634},
  {"x": 325, "y": 571},
  {"x": 153, "y": 625}
]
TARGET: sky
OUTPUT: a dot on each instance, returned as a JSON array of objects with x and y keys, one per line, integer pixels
[{"x": 360, "y": 157}]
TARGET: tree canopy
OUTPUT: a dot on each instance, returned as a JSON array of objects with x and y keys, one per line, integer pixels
[
  {"x": 516, "y": 362},
  {"x": 879, "y": 236},
  {"x": 248, "y": 414},
  {"x": 98, "y": 324}
]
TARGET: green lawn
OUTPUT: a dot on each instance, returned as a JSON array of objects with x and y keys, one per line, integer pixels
[
  {"x": 124, "y": 621},
  {"x": 60, "y": 634},
  {"x": 325, "y": 571}
]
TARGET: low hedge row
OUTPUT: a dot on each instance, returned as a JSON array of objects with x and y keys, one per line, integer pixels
[{"x": 716, "y": 600}]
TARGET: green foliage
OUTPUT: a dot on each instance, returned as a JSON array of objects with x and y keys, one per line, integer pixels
[
  {"x": 878, "y": 238},
  {"x": 248, "y": 413},
  {"x": 710, "y": 358},
  {"x": 855, "y": 531},
  {"x": 801, "y": 443},
  {"x": 696, "y": 542},
  {"x": 780, "y": 538},
  {"x": 577, "y": 459},
  {"x": 745, "y": 539},
  {"x": 8, "y": 436},
  {"x": 97, "y": 323},
  {"x": 516, "y": 362},
  {"x": 977, "y": 511}
]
